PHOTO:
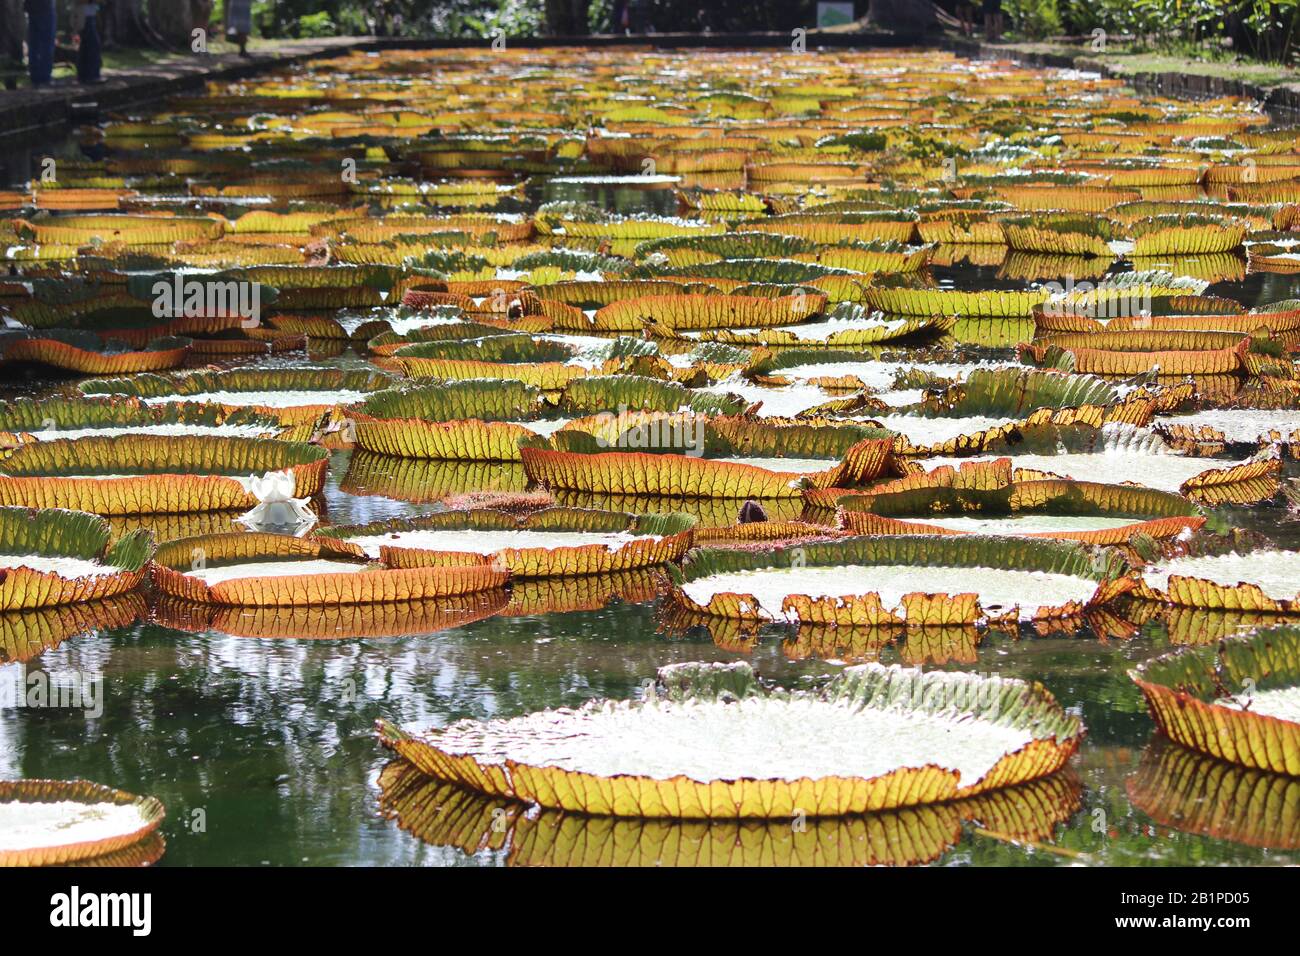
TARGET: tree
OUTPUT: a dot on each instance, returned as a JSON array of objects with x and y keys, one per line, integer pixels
[
  {"x": 566, "y": 17},
  {"x": 176, "y": 20},
  {"x": 903, "y": 16},
  {"x": 120, "y": 23},
  {"x": 13, "y": 24}
]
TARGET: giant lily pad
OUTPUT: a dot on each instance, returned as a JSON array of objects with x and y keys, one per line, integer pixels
[
  {"x": 54, "y": 557},
  {"x": 257, "y": 569},
  {"x": 905, "y": 300},
  {"x": 146, "y": 474},
  {"x": 1084, "y": 452},
  {"x": 848, "y": 326},
  {"x": 548, "y": 543},
  {"x": 901, "y": 738},
  {"x": 1137, "y": 352},
  {"x": 541, "y": 362},
  {"x": 1236, "y": 701},
  {"x": 83, "y": 353},
  {"x": 1219, "y": 427},
  {"x": 1257, "y": 581},
  {"x": 48, "y": 419},
  {"x": 467, "y": 420},
  {"x": 706, "y": 312},
  {"x": 292, "y": 395},
  {"x": 642, "y": 473},
  {"x": 1165, "y": 235},
  {"x": 982, "y": 498},
  {"x": 916, "y": 580},
  {"x": 59, "y": 822}
]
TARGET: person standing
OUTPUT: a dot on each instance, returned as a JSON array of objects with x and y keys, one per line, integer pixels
[
  {"x": 90, "y": 60},
  {"x": 992, "y": 20},
  {"x": 966, "y": 13},
  {"x": 42, "y": 24},
  {"x": 12, "y": 28},
  {"x": 239, "y": 23},
  {"x": 637, "y": 17}
]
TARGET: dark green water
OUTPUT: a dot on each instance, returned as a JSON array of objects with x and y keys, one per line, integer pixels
[{"x": 263, "y": 749}]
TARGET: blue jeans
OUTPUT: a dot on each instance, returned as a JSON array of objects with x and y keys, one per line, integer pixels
[
  {"x": 41, "y": 26},
  {"x": 89, "y": 59}
]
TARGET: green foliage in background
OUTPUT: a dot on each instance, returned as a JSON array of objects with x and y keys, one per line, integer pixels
[
  {"x": 479, "y": 18},
  {"x": 1206, "y": 29},
  {"x": 1213, "y": 29},
  {"x": 1034, "y": 18}
]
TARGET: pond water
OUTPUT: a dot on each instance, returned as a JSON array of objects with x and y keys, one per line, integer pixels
[{"x": 263, "y": 748}]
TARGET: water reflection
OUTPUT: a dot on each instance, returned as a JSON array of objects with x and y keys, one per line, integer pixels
[
  {"x": 272, "y": 736},
  {"x": 344, "y": 621},
  {"x": 25, "y": 635},
  {"x": 709, "y": 512},
  {"x": 529, "y": 596},
  {"x": 1197, "y": 794},
  {"x": 899, "y": 644},
  {"x": 1198, "y": 626},
  {"x": 627, "y": 199},
  {"x": 447, "y": 816},
  {"x": 145, "y": 853},
  {"x": 419, "y": 481}
]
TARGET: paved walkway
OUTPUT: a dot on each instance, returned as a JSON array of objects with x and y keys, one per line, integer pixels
[
  {"x": 25, "y": 108},
  {"x": 1283, "y": 98}
]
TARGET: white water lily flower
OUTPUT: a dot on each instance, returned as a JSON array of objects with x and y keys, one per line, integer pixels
[{"x": 277, "y": 509}]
